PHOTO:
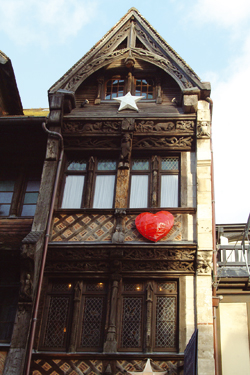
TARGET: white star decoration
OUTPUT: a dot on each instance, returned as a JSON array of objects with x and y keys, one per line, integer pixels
[
  {"x": 128, "y": 101},
  {"x": 148, "y": 370}
]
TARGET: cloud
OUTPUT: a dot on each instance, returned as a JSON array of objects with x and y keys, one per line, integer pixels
[
  {"x": 222, "y": 12},
  {"x": 44, "y": 22},
  {"x": 231, "y": 134}
]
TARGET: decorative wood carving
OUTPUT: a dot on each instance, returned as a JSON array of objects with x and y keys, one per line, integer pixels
[
  {"x": 184, "y": 143},
  {"x": 117, "y": 260},
  {"x": 164, "y": 254},
  {"x": 115, "y": 40},
  {"x": 119, "y": 235},
  {"x": 128, "y": 124},
  {"x": 76, "y": 316},
  {"x": 72, "y": 127},
  {"x": 91, "y": 143},
  {"x": 163, "y": 63},
  {"x": 126, "y": 148},
  {"x": 103, "y": 59},
  {"x": 158, "y": 266},
  {"x": 111, "y": 343},
  {"x": 164, "y": 126},
  {"x": 95, "y": 266}
]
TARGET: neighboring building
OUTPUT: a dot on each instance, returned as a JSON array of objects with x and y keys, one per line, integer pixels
[
  {"x": 22, "y": 152},
  {"x": 96, "y": 296},
  {"x": 233, "y": 290}
]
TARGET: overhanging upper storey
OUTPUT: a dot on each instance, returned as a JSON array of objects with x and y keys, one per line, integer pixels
[{"x": 135, "y": 58}]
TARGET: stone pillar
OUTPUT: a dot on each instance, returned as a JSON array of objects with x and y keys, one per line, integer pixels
[{"x": 205, "y": 243}]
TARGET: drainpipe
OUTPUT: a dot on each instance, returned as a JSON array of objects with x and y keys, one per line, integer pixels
[
  {"x": 214, "y": 259},
  {"x": 45, "y": 249}
]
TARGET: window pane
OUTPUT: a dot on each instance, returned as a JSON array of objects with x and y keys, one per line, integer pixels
[
  {"x": 139, "y": 191},
  {"x": 131, "y": 322},
  {"x": 106, "y": 165},
  {"x": 140, "y": 165},
  {"x": 28, "y": 210},
  {"x": 169, "y": 191},
  {"x": 72, "y": 196},
  {"x": 55, "y": 335},
  {"x": 169, "y": 164},
  {"x": 5, "y": 197},
  {"x": 92, "y": 322},
  {"x": 7, "y": 185},
  {"x": 165, "y": 322},
  {"x": 30, "y": 198},
  {"x": 104, "y": 191},
  {"x": 33, "y": 185},
  {"x": 4, "y": 209},
  {"x": 8, "y": 306},
  {"x": 77, "y": 165}
]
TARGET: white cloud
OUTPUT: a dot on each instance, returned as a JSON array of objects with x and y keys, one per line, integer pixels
[
  {"x": 45, "y": 22},
  {"x": 231, "y": 135},
  {"x": 226, "y": 13}
]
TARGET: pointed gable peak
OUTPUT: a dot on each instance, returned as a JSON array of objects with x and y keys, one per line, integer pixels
[{"x": 131, "y": 37}]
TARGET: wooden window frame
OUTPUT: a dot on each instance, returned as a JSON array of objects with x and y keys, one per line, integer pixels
[
  {"x": 141, "y": 88},
  {"x": 91, "y": 172},
  {"x": 128, "y": 83},
  {"x": 72, "y": 310},
  {"x": 114, "y": 78},
  {"x": 152, "y": 189},
  {"x": 143, "y": 294},
  {"x": 21, "y": 179}
]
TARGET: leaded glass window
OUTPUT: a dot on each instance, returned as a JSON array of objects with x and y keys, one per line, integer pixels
[
  {"x": 144, "y": 299},
  {"x": 61, "y": 309}
]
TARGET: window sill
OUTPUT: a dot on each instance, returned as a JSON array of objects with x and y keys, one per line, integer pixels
[
  {"x": 109, "y": 101},
  {"x": 131, "y": 211}
]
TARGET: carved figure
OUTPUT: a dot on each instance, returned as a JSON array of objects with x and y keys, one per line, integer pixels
[
  {"x": 203, "y": 129},
  {"x": 26, "y": 287},
  {"x": 126, "y": 144},
  {"x": 203, "y": 264}
]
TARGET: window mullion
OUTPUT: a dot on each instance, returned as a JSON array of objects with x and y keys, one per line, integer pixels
[
  {"x": 149, "y": 312},
  {"x": 155, "y": 172},
  {"x": 17, "y": 194},
  {"x": 76, "y": 316},
  {"x": 89, "y": 185}
]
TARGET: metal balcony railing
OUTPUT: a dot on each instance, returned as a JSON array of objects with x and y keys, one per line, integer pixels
[{"x": 237, "y": 254}]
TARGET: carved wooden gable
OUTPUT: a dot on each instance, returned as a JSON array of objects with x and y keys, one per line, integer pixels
[{"x": 132, "y": 39}]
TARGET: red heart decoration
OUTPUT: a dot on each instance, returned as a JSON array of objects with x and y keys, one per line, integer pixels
[{"x": 154, "y": 227}]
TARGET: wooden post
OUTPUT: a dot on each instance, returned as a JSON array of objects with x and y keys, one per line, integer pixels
[
  {"x": 76, "y": 315},
  {"x": 111, "y": 343}
]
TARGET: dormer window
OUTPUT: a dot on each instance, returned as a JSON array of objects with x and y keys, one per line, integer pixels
[
  {"x": 114, "y": 88},
  {"x": 144, "y": 87},
  {"x": 118, "y": 86}
]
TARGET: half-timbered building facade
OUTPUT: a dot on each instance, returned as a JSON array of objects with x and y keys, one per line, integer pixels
[{"x": 128, "y": 133}]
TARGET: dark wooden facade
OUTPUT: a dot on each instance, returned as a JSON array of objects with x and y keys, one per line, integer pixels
[{"x": 108, "y": 299}]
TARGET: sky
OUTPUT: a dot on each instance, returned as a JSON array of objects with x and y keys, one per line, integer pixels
[{"x": 45, "y": 38}]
